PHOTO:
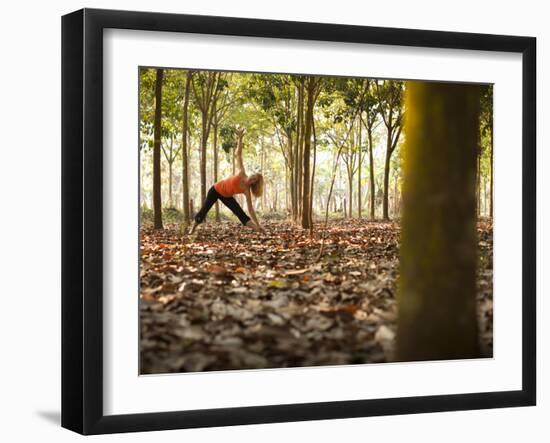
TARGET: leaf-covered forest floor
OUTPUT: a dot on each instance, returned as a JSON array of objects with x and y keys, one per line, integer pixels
[{"x": 230, "y": 298}]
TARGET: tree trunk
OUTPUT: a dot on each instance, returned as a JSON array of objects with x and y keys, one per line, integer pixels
[
  {"x": 311, "y": 187},
  {"x": 350, "y": 193},
  {"x": 299, "y": 144},
  {"x": 306, "y": 154},
  {"x": 371, "y": 175},
  {"x": 170, "y": 201},
  {"x": 491, "y": 166},
  {"x": 287, "y": 200},
  {"x": 206, "y": 100},
  {"x": 262, "y": 161},
  {"x": 478, "y": 184},
  {"x": 395, "y": 196},
  {"x": 437, "y": 288},
  {"x": 485, "y": 205},
  {"x": 293, "y": 194},
  {"x": 142, "y": 200},
  {"x": 157, "y": 199},
  {"x": 215, "y": 148},
  {"x": 204, "y": 140},
  {"x": 349, "y": 169},
  {"x": 184, "y": 158},
  {"x": 385, "y": 214},
  {"x": 291, "y": 178},
  {"x": 360, "y": 164},
  {"x": 296, "y": 160}
]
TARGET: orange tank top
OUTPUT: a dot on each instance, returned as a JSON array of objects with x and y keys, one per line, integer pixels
[{"x": 229, "y": 187}]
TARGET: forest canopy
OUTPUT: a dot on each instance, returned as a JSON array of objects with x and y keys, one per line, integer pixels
[{"x": 355, "y": 128}]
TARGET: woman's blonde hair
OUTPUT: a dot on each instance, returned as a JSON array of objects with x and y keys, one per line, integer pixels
[{"x": 257, "y": 188}]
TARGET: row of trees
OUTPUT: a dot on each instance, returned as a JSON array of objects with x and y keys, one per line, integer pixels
[{"x": 304, "y": 134}]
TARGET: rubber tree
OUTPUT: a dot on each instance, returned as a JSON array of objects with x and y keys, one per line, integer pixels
[
  {"x": 221, "y": 108},
  {"x": 206, "y": 89},
  {"x": 354, "y": 94},
  {"x": 389, "y": 93},
  {"x": 349, "y": 156},
  {"x": 275, "y": 95},
  {"x": 146, "y": 128},
  {"x": 359, "y": 167},
  {"x": 311, "y": 92},
  {"x": 299, "y": 82},
  {"x": 437, "y": 287},
  {"x": 184, "y": 149},
  {"x": 170, "y": 154},
  {"x": 170, "y": 125},
  {"x": 157, "y": 199},
  {"x": 370, "y": 120}
]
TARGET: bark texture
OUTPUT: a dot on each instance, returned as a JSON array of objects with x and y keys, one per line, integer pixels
[{"x": 437, "y": 289}]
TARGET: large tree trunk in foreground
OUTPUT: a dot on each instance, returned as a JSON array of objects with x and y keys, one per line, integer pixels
[
  {"x": 437, "y": 288},
  {"x": 157, "y": 199}
]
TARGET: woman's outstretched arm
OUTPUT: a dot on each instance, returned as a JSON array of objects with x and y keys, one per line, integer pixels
[{"x": 239, "y": 150}]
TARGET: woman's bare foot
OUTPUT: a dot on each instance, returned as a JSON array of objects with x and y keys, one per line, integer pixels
[{"x": 192, "y": 230}]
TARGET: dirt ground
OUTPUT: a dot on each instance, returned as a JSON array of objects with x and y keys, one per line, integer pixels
[{"x": 230, "y": 298}]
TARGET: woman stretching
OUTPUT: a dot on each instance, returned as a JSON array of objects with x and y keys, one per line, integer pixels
[{"x": 224, "y": 190}]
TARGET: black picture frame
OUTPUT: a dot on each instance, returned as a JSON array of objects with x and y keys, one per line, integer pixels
[{"x": 82, "y": 218}]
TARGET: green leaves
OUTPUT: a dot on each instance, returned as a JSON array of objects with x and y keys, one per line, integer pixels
[
  {"x": 278, "y": 284},
  {"x": 228, "y": 138}
]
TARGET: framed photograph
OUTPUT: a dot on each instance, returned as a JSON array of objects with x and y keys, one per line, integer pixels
[{"x": 269, "y": 221}]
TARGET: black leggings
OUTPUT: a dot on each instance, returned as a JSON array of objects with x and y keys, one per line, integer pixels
[{"x": 230, "y": 202}]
